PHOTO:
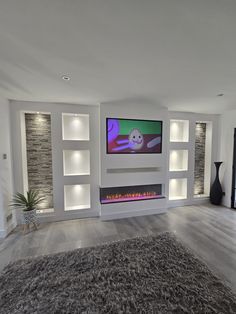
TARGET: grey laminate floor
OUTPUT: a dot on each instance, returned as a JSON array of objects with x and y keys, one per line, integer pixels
[{"x": 209, "y": 231}]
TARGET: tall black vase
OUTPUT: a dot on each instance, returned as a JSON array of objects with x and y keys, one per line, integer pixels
[{"x": 216, "y": 192}]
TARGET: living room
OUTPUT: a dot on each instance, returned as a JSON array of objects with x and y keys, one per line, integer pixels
[{"x": 119, "y": 119}]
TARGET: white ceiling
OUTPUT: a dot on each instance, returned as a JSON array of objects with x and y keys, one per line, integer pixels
[{"x": 176, "y": 53}]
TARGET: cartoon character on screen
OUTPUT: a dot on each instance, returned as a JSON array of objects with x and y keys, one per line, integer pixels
[
  {"x": 113, "y": 129},
  {"x": 136, "y": 139},
  {"x": 134, "y": 142}
]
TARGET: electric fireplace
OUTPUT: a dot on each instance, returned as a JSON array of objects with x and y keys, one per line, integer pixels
[{"x": 130, "y": 193}]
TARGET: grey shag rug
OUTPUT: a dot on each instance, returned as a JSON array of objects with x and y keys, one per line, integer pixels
[{"x": 153, "y": 274}]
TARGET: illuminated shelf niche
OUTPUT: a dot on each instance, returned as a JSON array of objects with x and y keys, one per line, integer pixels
[
  {"x": 77, "y": 197},
  {"x": 75, "y": 127},
  {"x": 178, "y": 189},
  {"x": 76, "y": 162},
  {"x": 179, "y": 130},
  {"x": 178, "y": 160}
]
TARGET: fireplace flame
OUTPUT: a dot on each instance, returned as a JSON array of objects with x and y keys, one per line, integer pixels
[{"x": 130, "y": 195}]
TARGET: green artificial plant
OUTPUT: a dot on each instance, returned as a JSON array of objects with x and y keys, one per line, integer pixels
[{"x": 28, "y": 202}]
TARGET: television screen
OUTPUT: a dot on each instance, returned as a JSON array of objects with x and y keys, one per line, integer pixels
[{"x": 125, "y": 136}]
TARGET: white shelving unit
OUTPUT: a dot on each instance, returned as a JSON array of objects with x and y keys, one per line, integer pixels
[
  {"x": 77, "y": 197},
  {"x": 76, "y": 162},
  {"x": 185, "y": 148},
  {"x": 178, "y": 160},
  {"x": 178, "y": 189},
  {"x": 75, "y": 127}
]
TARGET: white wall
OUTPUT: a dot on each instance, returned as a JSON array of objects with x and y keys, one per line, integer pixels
[
  {"x": 5, "y": 170},
  {"x": 226, "y": 140},
  {"x": 135, "y": 161}
]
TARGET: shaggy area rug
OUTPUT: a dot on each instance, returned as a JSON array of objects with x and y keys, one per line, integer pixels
[{"x": 155, "y": 274}]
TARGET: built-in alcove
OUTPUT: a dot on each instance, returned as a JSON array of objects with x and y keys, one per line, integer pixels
[
  {"x": 179, "y": 130},
  {"x": 77, "y": 197},
  {"x": 178, "y": 189},
  {"x": 178, "y": 160},
  {"x": 75, "y": 127},
  {"x": 38, "y": 157},
  {"x": 76, "y": 162},
  {"x": 130, "y": 193},
  {"x": 202, "y": 168}
]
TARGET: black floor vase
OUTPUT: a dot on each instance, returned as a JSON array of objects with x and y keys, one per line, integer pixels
[{"x": 216, "y": 192}]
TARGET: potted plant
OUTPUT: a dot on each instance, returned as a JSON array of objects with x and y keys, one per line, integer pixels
[{"x": 28, "y": 204}]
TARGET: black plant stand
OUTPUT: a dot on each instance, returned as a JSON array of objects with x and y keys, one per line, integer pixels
[{"x": 216, "y": 192}]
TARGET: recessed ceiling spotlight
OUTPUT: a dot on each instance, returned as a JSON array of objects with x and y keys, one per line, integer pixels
[
  {"x": 220, "y": 95},
  {"x": 65, "y": 77}
]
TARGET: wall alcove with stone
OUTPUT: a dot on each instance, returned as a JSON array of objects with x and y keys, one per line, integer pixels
[
  {"x": 39, "y": 156},
  {"x": 202, "y": 165},
  {"x": 200, "y": 142}
]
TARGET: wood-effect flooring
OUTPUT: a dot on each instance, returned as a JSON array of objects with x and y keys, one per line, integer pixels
[{"x": 209, "y": 231}]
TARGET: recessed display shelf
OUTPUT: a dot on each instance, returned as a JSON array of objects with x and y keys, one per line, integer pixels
[
  {"x": 76, "y": 162},
  {"x": 179, "y": 130},
  {"x": 178, "y": 189},
  {"x": 75, "y": 127},
  {"x": 77, "y": 197},
  {"x": 178, "y": 160}
]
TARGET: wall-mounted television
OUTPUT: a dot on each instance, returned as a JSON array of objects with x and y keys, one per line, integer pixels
[{"x": 132, "y": 136}]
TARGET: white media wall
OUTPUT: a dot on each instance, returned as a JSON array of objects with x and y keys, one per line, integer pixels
[
  {"x": 75, "y": 157},
  {"x": 81, "y": 165},
  {"x": 133, "y": 169}
]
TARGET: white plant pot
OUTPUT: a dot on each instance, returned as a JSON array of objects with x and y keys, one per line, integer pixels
[{"x": 29, "y": 217}]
